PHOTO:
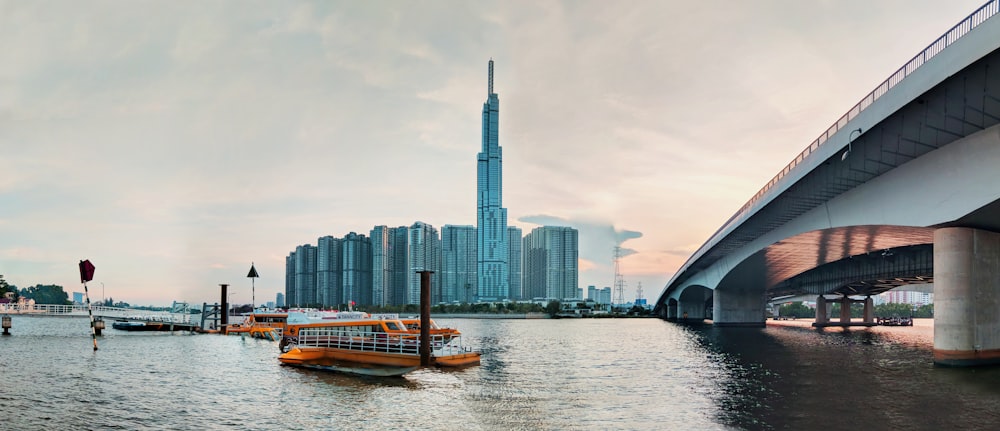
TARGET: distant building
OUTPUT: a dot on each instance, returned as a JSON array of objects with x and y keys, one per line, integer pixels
[
  {"x": 328, "y": 271},
  {"x": 592, "y": 293},
  {"x": 551, "y": 255},
  {"x": 514, "y": 256},
  {"x": 905, "y": 297},
  {"x": 356, "y": 270},
  {"x": 424, "y": 254},
  {"x": 603, "y": 296},
  {"x": 458, "y": 263},
  {"x": 78, "y": 297},
  {"x": 305, "y": 276},
  {"x": 279, "y": 300}
]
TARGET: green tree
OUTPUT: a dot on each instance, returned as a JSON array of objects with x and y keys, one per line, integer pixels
[
  {"x": 552, "y": 308},
  {"x": 796, "y": 309},
  {"x": 46, "y": 294},
  {"x": 892, "y": 309},
  {"x": 4, "y": 287}
]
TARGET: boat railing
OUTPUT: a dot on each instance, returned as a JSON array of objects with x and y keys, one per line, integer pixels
[{"x": 380, "y": 342}]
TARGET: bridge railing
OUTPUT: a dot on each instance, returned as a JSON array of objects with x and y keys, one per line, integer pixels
[
  {"x": 98, "y": 310},
  {"x": 972, "y": 21}
]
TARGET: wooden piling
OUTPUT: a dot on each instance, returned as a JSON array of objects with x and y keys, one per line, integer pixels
[{"x": 425, "y": 317}]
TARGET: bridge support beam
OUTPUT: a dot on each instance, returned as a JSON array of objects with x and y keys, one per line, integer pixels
[
  {"x": 743, "y": 308},
  {"x": 869, "y": 310},
  {"x": 822, "y": 317},
  {"x": 845, "y": 310},
  {"x": 966, "y": 297},
  {"x": 671, "y": 309}
]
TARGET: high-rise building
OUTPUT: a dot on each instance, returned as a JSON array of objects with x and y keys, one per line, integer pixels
[
  {"x": 305, "y": 276},
  {"x": 290, "y": 278},
  {"x": 381, "y": 273},
  {"x": 458, "y": 263},
  {"x": 279, "y": 300},
  {"x": 491, "y": 216},
  {"x": 514, "y": 262},
  {"x": 592, "y": 293},
  {"x": 328, "y": 271},
  {"x": 424, "y": 255},
  {"x": 604, "y": 296},
  {"x": 399, "y": 251},
  {"x": 356, "y": 270},
  {"x": 551, "y": 255}
]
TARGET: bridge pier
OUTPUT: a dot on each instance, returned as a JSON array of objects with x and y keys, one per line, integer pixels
[
  {"x": 869, "y": 315},
  {"x": 822, "y": 318},
  {"x": 744, "y": 308},
  {"x": 671, "y": 310},
  {"x": 966, "y": 297}
]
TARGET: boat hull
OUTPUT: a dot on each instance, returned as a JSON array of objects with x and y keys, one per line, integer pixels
[
  {"x": 350, "y": 361},
  {"x": 457, "y": 360}
]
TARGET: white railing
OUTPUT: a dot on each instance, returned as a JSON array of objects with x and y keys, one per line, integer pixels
[
  {"x": 98, "y": 310},
  {"x": 380, "y": 342}
]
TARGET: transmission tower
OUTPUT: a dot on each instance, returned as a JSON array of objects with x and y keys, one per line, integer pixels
[
  {"x": 619, "y": 293},
  {"x": 638, "y": 293}
]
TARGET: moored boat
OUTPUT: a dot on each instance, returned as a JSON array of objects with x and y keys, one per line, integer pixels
[{"x": 355, "y": 342}]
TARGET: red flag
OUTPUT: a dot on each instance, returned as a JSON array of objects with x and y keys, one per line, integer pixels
[{"x": 86, "y": 271}]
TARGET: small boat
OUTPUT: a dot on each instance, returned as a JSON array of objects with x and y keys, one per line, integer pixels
[
  {"x": 355, "y": 342},
  {"x": 268, "y": 326},
  {"x": 413, "y": 326},
  {"x": 126, "y": 325}
]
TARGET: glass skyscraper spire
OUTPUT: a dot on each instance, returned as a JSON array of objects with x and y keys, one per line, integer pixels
[{"x": 491, "y": 216}]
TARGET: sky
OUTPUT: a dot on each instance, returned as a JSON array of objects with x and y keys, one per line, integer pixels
[{"x": 174, "y": 143}]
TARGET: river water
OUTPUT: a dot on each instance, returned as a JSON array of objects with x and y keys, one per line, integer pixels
[{"x": 586, "y": 374}]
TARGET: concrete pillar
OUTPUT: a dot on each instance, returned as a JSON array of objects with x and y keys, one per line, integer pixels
[
  {"x": 671, "y": 309},
  {"x": 845, "y": 310},
  {"x": 821, "y": 317},
  {"x": 738, "y": 308},
  {"x": 966, "y": 297},
  {"x": 869, "y": 310},
  {"x": 691, "y": 310}
]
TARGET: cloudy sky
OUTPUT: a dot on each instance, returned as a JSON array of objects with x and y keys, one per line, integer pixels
[{"x": 172, "y": 143}]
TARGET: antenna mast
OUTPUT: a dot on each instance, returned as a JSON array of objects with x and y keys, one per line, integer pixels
[
  {"x": 619, "y": 292},
  {"x": 491, "y": 78}
]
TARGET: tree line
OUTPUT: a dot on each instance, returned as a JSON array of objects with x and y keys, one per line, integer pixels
[
  {"x": 798, "y": 309},
  {"x": 41, "y": 293}
]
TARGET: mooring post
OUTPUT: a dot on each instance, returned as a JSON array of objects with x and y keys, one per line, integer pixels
[
  {"x": 425, "y": 317},
  {"x": 224, "y": 311},
  {"x": 6, "y": 325}
]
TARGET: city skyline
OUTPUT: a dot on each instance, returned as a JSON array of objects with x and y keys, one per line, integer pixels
[{"x": 173, "y": 153}]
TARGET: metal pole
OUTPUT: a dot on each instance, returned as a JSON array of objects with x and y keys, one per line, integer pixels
[
  {"x": 425, "y": 317},
  {"x": 93, "y": 331}
]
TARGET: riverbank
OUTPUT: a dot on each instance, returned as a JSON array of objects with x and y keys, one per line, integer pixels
[{"x": 922, "y": 331}]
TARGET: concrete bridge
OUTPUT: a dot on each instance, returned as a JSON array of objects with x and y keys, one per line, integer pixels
[{"x": 903, "y": 189}]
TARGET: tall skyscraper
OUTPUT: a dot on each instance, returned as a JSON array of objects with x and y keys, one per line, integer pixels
[
  {"x": 381, "y": 274},
  {"x": 514, "y": 262},
  {"x": 551, "y": 255},
  {"x": 328, "y": 271},
  {"x": 356, "y": 266},
  {"x": 305, "y": 276},
  {"x": 290, "y": 278},
  {"x": 458, "y": 263},
  {"x": 424, "y": 254},
  {"x": 491, "y": 216}
]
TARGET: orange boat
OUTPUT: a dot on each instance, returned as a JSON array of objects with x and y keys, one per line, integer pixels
[
  {"x": 355, "y": 342},
  {"x": 268, "y": 326},
  {"x": 413, "y": 326}
]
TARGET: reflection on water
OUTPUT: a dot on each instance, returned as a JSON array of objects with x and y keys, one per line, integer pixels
[{"x": 535, "y": 374}]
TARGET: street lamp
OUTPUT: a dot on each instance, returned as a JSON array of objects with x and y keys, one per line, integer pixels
[{"x": 850, "y": 139}]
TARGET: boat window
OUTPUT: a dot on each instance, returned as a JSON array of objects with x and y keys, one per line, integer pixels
[{"x": 392, "y": 326}]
